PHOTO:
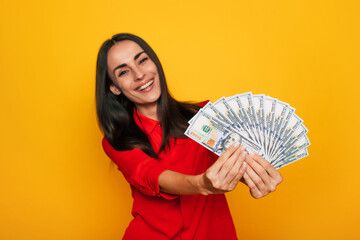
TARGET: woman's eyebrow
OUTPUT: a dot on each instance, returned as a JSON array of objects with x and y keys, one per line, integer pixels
[
  {"x": 138, "y": 55},
  {"x": 124, "y": 65},
  {"x": 120, "y": 66}
]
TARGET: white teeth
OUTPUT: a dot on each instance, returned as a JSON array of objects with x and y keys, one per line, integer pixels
[{"x": 146, "y": 85}]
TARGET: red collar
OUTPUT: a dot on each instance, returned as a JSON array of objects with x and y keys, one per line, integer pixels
[{"x": 146, "y": 124}]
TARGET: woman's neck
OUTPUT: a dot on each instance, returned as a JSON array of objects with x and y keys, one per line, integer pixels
[{"x": 148, "y": 110}]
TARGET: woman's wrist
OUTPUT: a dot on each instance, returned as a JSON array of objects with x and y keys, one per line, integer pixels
[
  {"x": 198, "y": 184},
  {"x": 182, "y": 184}
]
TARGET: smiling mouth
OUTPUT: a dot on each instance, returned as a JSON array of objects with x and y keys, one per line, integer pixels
[{"x": 145, "y": 86}]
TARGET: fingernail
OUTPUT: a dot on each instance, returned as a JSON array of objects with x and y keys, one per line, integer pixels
[
  {"x": 243, "y": 165},
  {"x": 236, "y": 144},
  {"x": 243, "y": 154},
  {"x": 251, "y": 153}
]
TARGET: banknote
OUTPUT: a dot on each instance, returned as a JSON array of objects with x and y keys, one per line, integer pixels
[
  {"x": 300, "y": 144},
  {"x": 301, "y": 154},
  {"x": 258, "y": 103},
  {"x": 246, "y": 100},
  {"x": 279, "y": 115},
  {"x": 214, "y": 112},
  {"x": 262, "y": 123},
  {"x": 292, "y": 125},
  {"x": 282, "y": 128},
  {"x": 269, "y": 112},
  {"x": 237, "y": 106},
  {"x": 216, "y": 135},
  {"x": 225, "y": 109}
]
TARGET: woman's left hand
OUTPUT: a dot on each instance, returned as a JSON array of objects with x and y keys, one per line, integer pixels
[{"x": 260, "y": 176}]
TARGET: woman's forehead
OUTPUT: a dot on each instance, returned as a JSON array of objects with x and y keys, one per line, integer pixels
[{"x": 123, "y": 52}]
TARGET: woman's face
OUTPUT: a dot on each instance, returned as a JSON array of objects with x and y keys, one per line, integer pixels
[{"x": 134, "y": 73}]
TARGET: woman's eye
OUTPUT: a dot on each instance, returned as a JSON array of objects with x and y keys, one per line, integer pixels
[
  {"x": 143, "y": 60},
  {"x": 122, "y": 73}
]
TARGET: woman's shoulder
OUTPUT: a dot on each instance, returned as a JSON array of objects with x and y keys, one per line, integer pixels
[
  {"x": 118, "y": 155},
  {"x": 105, "y": 143},
  {"x": 109, "y": 149}
]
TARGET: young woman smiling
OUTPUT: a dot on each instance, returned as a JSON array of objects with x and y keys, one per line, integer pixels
[{"x": 177, "y": 185}]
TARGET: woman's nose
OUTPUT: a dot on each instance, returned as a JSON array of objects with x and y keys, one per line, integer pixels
[{"x": 139, "y": 74}]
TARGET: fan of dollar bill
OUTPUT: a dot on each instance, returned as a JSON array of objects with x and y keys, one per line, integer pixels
[{"x": 261, "y": 123}]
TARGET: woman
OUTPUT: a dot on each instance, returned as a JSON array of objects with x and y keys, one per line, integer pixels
[{"x": 177, "y": 185}]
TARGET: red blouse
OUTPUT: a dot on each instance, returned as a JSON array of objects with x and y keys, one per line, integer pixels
[{"x": 159, "y": 215}]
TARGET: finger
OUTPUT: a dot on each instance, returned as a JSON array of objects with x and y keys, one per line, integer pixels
[
  {"x": 240, "y": 174},
  {"x": 231, "y": 167},
  {"x": 224, "y": 156},
  {"x": 252, "y": 186},
  {"x": 237, "y": 168},
  {"x": 259, "y": 170},
  {"x": 265, "y": 164},
  {"x": 257, "y": 180}
]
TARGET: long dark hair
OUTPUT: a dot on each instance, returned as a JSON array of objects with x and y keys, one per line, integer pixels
[{"x": 115, "y": 112}]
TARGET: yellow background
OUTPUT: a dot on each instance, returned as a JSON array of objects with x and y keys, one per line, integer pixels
[{"x": 55, "y": 180}]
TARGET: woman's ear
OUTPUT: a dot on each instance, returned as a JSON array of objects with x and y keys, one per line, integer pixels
[{"x": 114, "y": 89}]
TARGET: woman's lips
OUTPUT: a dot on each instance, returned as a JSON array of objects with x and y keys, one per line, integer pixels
[{"x": 145, "y": 86}]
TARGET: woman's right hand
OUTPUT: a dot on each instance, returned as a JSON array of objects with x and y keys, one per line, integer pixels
[
  {"x": 225, "y": 173},
  {"x": 221, "y": 177}
]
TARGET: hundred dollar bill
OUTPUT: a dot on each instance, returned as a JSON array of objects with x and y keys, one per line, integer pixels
[
  {"x": 210, "y": 109},
  {"x": 214, "y": 112},
  {"x": 279, "y": 115},
  {"x": 253, "y": 116},
  {"x": 194, "y": 117},
  {"x": 301, "y": 143},
  {"x": 282, "y": 128},
  {"x": 225, "y": 109},
  {"x": 258, "y": 103},
  {"x": 216, "y": 135},
  {"x": 291, "y": 125},
  {"x": 246, "y": 101},
  {"x": 300, "y": 154},
  {"x": 298, "y": 133},
  {"x": 269, "y": 110},
  {"x": 238, "y": 107},
  {"x": 264, "y": 122}
]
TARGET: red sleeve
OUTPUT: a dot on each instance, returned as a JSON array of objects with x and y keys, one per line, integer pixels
[
  {"x": 139, "y": 169},
  {"x": 203, "y": 103}
]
